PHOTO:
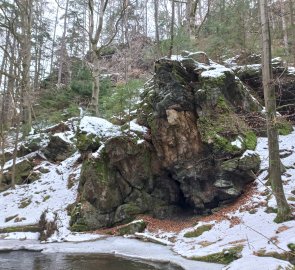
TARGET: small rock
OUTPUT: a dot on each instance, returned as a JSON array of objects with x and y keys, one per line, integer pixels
[{"x": 132, "y": 227}]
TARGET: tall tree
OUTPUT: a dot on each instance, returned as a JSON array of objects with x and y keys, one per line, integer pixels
[
  {"x": 95, "y": 33},
  {"x": 157, "y": 34},
  {"x": 284, "y": 26},
  {"x": 63, "y": 49},
  {"x": 172, "y": 28},
  {"x": 284, "y": 211},
  {"x": 292, "y": 23}
]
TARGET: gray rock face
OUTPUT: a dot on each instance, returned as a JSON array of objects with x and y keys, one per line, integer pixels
[
  {"x": 189, "y": 160},
  {"x": 58, "y": 149}
]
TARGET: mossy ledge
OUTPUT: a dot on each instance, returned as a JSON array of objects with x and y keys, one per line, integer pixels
[
  {"x": 28, "y": 228},
  {"x": 285, "y": 256},
  {"x": 199, "y": 231},
  {"x": 226, "y": 256}
]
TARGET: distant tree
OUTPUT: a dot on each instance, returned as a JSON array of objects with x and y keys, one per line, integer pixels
[{"x": 284, "y": 211}]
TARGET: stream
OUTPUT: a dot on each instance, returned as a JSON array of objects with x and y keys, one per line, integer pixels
[{"x": 27, "y": 260}]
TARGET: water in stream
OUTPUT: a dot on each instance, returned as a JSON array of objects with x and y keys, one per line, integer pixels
[{"x": 25, "y": 260}]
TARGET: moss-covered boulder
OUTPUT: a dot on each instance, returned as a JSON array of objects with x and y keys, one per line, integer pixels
[
  {"x": 31, "y": 145},
  {"x": 23, "y": 173},
  {"x": 58, "y": 149},
  {"x": 193, "y": 154},
  {"x": 136, "y": 226},
  {"x": 284, "y": 82}
]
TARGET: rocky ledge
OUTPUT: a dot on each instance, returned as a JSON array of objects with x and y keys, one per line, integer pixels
[{"x": 190, "y": 150}]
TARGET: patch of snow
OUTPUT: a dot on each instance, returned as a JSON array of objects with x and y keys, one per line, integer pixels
[
  {"x": 97, "y": 153},
  {"x": 214, "y": 70},
  {"x": 176, "y": 57},
  {"x": 49, "y": 193},
  {"x": 252, "y": 262},
  {"x": 249, "y": 153},
  {"x": 21, "y": 236},
  {"x": 291, "y": 70},
  {"x": 65, "y": 136},
  {"x": 99, "y": 127},
  {"x": 137, "y": 128},
  {"x": 238, "y": 142}
]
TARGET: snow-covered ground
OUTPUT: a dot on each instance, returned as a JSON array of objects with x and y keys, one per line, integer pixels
[{"x": 249, "y": 226}]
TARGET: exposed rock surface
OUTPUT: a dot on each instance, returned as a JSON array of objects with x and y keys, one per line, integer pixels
[
  {"x": 191, "y": 157},
  {"x": 249, "y": 71},
  {"x": 58, "y": 149}
]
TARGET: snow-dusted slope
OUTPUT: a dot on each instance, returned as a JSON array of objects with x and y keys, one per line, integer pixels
[{"x": 248, "y": 226}]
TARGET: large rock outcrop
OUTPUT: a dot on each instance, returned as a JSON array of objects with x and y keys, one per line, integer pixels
[
  {"x": 191, "y": 157},
  {"x": 250, "y": 73}
]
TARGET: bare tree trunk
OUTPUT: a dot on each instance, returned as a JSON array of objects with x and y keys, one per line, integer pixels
[
  {"x": 95, "y": 88},
  {"x": 15, "y": 151},
  {"x": 292, "y": 22},
  {"x": 284, "y": 26},
  {"x": 272, "y": 133},
  {"x": 172, "y": 28},
  {"x": 157, "y": 35},
  {"x": 2, "y": 149},
  {"x": 5, "y": 56},
  {"x": 63, "y": 46},
  {"x": 53, "y": 39},
  {"x": 3, "y": 113},
  {"x": 25, "y": 52}
]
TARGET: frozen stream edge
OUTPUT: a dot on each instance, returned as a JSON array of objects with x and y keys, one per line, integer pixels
[{"x": 129, "y": 248}]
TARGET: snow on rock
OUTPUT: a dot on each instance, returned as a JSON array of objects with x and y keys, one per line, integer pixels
[
  {"x": 215, "y": 71},
  {"x": 291, "y": 70},
  {"x": 249, "y": 153},
  {"x": 238, "y": 142},
  {"x": 137, "y": 128},
  {"x": 65, "y": 136},
  {"x": 99, "y": 127}
]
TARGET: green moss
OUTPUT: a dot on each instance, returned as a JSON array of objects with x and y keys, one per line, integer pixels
[
  {"x": 221, "y": 144},
  {"x": 132, "y": 209},
  {"x": 223, "y": 105},
  {"x": 77, "y": 223},
  {"x": 286, "y": 256},
  {"x": 199, "y": 231},
  {"x": 24, "y": 203},
  {"x": 284, "y": 127},
  {"x": 79, "y": 228},
  {"x": 270, "y": 210},
  {"x": 132, "y": 228},
  {"x": 46, "y": 198},
  {"x": 212, "y": 82},
  {"x": 225, "y": 257},
  {"x": 292, "y": 199},
  {"x": 96, "y": 170},
  {"x": 28, "y": 228},
  {"x": 291, "y": 246},
  {"x": 250, "y": 140},
  {"x": 87, "y": 142}
]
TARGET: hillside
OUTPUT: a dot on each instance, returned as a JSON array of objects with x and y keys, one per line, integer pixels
[{"x": 55, "y": 182}]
